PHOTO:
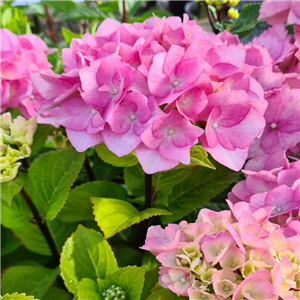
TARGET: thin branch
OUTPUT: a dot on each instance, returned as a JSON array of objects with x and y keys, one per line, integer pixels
[
  {"x": 124, "y": 11},
  {"x": 49, "y": 23},
  {"x": 210, "y": 18},
  {"x": 42, "y": 225},
  {"x": 89, "y": 169}
]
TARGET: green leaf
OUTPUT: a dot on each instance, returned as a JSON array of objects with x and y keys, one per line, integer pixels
[
  {"x": 31, "y": 280},
  {"x": 8, "y": 242},
  {"x": 18, "y": 215},
  {"x": 78, "y": 206},
  {"x": 151, "y": 279},
  {"x": 126, "y": 255},
  {"x": 199, "y": 188},
  {"x": 32, "y": 238},
  {"x": 51, "y": 176},
  {"x": 16, "y": 296},
  {"x": 247, "y": 20},
  {"x": 68, "y": 35},
  {"x": 130, "y": 279},
  {"x": 60, "y": 231},
  {"x": 86, "y": 254},
  {"x": 56, "y": 293},
  {"x": 134, "y": 178},
  {"x": 40, "y": 137},
  {"x": 160, "y": 293},
  {"x": 14, "y": 20},
  {"x": 199, "y": 157},
  {"x": 114, "y": 215},
  {"x": 81, "y": 12},
  {"x": 88, "y": 289},
  {"x": 61, "y": 5},
  {"x": 157, "y": 12},
  {"x": 9, "y": 189},
  {"x": 110, "y": 158}
]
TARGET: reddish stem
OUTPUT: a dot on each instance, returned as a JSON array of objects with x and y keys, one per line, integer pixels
[
  {"x": 49, "y": 23},
  {"x": 124, "y": 11}
]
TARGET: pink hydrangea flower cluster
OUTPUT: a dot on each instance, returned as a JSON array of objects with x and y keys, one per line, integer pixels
[
  {"x": 237, "y": 255},
  {"x": 157, "y": 88},
  {"x": 20, "y": 56},
  {"x": 276, "y": 187}
]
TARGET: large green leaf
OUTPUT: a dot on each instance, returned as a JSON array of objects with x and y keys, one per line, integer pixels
[
  {"x": 88, "y": 289},
  {"x": 32, "y": 238},
  {"x": 151, "y": 279},
  {"x": 129, "y": 279},
  {"x": 55, "y": 293},
  {"x": 51, "y": 176},
  {"x": 126, "y": 255},
  {"x": 82, "y": 11},
  {"x": 107, "y": 156},
  {"x": 78, "y": 206},
  {"x": 86, "y": 254},
  {"x": 9, "y": 189},
  {"x": 61, "y": 5},
  {"x": 18, "y": 215},
  {"x": 199, "y": 188},
  {"x": 160, "y": 293},
  {"x": 114, "y": 215},
  {"x": 247, "y": 20},
  {"x": 135, "y": 179},
  {"x": 39, "y": 138},
  {"x": 16, "y": 296},
  {"x": 31, "y": 280},
  {"x": 61, "y": 231},
  {"x": 8, "y": 242}
]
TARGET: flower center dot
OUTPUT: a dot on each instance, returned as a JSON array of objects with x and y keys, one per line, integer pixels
[
  {"x": 182, "y": 280},
  {"x": 132, "y": 117},
  {"x": 175, "y": 83},
  {"x": 184, "y": 101},
  {"x": 218, "y": 252},
  {"x": 233, "y": 266},
  {"x": 226, "y": 288},
  {"x": 203, "y": 296},
  {"x": 171, "y": 131},
  {"x": 273, "y": 126},
  {"x": 31, "y": 97},
  {"x": 279, "y": 209},
  {"x": 116, "y": 91},
  {"x": 214, "y": 125}
]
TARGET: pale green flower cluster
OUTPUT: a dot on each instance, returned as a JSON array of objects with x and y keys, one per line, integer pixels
[
  {"x": 114, "y": 293},
  {"x": 16, "y": 137}
]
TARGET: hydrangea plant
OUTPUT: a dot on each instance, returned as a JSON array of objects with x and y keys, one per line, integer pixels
[{"x": 156, "y": 137}]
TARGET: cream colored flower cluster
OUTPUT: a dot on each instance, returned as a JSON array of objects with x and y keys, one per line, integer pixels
[{"x": 16, "y": 137}]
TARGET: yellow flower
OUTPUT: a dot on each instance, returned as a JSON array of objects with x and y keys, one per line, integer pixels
[
  {"x": 233, "y": 13},
  {"x": 233, "y": 2}
]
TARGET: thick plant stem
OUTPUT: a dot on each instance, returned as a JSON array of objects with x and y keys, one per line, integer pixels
[
  {"x": 42, "y": 225},
  {"x": 124, "y": 11},
  {"x": 89, "y": 169},
  {"x": 148, "y": 191},
  {"x": 49, "y": 23},
  {"x": 149, "y": 198}
]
